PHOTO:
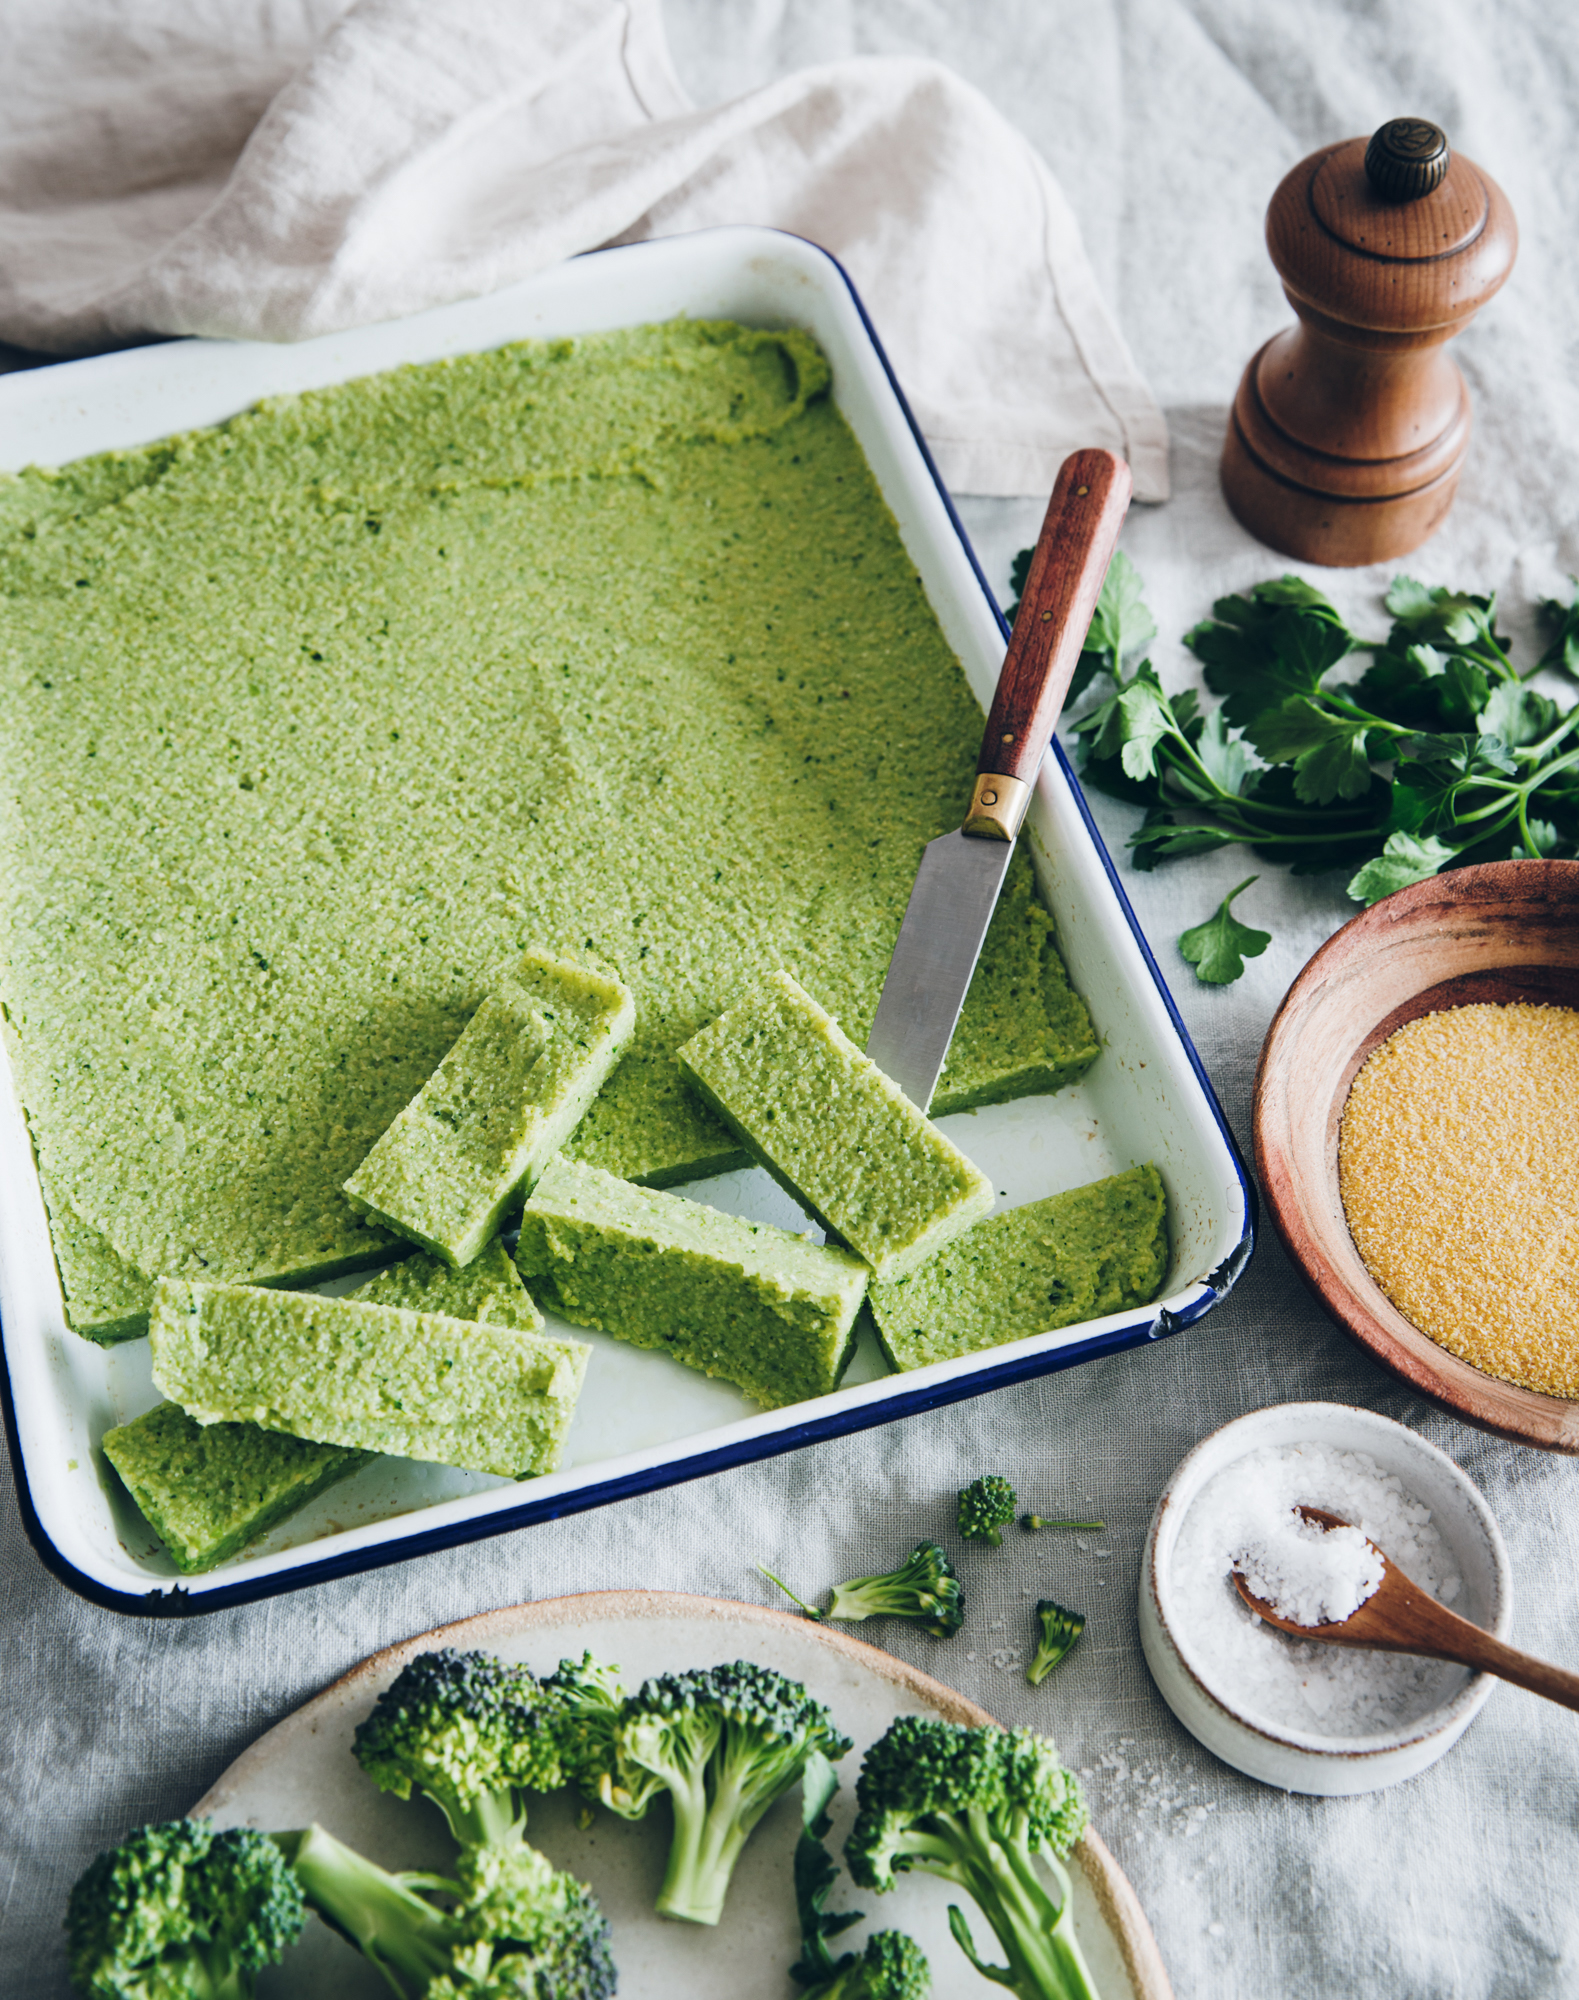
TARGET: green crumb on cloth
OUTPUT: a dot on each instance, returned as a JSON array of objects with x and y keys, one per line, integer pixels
[
  {"x": 420, "y": 1385},
  {"x": 207, "y": 1490},
  {"x": 1075, "y": 1256},
  {"x": 475, "y": 655},
  {"x": 832, "y": 1130},
  {"x": 493, "y": 1114},
  {"x": 754, "y": 1305}
]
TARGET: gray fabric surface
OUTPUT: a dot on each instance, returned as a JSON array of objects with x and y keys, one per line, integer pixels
[{"x": 1168, "y": 125}]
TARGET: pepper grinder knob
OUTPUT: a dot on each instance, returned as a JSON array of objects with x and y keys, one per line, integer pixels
[
  {"x": 1407, "y": 157},
  {"x": 1349, "y": 430}
]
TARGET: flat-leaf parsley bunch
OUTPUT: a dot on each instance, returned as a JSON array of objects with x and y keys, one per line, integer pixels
[{"x": 1437, "y": 754}]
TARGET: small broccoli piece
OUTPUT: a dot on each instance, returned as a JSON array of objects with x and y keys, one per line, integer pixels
[
  {"x": 1031, "y": 1522},
  {"x": 589, "y": 1700},
  {"x": 468, "y": 1731},
  {"x": 893, "y": 1966},
  {"x": 510, "y": 1926},
  {"x": 978, "y": 1807},
  {"x": 1060, "y": 1630},
  {"x": 724, "y": 1742},
  {"x": 924, "y": 1587},
  {"x": 180, "y": 1912},
  {"x": 986, "y": 1506}
]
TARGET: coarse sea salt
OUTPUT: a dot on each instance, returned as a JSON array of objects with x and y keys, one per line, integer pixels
[
  {"x": 1303, "y": 1571},
  {"x": 1244, "y": 1518}
]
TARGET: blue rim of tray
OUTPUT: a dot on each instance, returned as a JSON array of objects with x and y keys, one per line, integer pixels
[{"x": 176, "y": 1601}]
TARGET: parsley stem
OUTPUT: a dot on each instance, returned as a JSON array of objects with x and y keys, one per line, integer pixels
[
  {"x": 1233, "y": 802},
  {"x": 1535, "y": 751}
]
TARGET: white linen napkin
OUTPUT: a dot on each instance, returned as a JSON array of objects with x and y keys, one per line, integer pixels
[{"x": 261, "y": 169}]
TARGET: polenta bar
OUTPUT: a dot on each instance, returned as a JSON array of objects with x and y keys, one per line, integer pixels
[
  {"x": 840, "y": 1136},
  {"x": 1074, "y": 1256},
  {"x": 498, "y": 1107},
  {"x": 759, "y": 1307},
  {"x": 207, "y": 1490},
  {"x": 418, "y": 1384},
  {"x": 488, "y": 1289}
]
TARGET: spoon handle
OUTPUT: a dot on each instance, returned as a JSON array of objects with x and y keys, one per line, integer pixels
[
  {"x": 1523, "y": 1669},
  {"x": 1437, "y": 1630}
]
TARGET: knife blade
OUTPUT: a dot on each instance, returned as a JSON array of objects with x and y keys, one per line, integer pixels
[{"x": 956, "y": 888}]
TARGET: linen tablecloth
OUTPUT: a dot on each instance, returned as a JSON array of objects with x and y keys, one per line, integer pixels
[{"x": 1167, "y": 124}]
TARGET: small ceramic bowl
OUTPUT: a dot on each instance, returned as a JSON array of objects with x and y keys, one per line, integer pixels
[
  {"x": 1294, "y": 1760},
  {"x": 1506, "y": 931}
]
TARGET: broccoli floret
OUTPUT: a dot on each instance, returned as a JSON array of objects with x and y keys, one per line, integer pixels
[
  {"x": 466, "y": 1730},
  {"x": 893, "y": 1966},
  {"x": 590, "y": 1702},
  {"x": 510, "y": 1926},
  {"x": 985, "y": 1508},
  {"x": 924, "y": 1587},
  {"x": 978, "y": 1807},
  {"x": 1059, "y": 1631},
  {"x": 724, "y": 1742},
  {"x": 180, "y": 1912}
]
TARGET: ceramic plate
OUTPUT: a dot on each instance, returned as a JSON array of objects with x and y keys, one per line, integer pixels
[{"x": 303, "y": 1770}]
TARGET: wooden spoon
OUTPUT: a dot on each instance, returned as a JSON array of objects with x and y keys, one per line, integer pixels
[{"x": 1401, "y": 1618}]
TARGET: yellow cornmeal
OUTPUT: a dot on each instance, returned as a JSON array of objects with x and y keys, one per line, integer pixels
[{"x": 1458, "y": 1163}]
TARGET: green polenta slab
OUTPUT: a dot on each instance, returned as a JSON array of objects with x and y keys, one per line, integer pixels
[
  {"x": 1074, "y": 1256},
  {"x": 312, "y": 721},
  {"x": 489, "y": 1289},
  {"x": 759, "y": 1307},
  {"x": 496, "y": 1110},
  {"x": 420, "y": 1385},
  {"x": 830, "y": 1128},
  {"x": 207, "y": 1490}
]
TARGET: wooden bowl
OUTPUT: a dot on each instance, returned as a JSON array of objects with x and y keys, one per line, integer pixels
[{"x": 1505, "y": 931}]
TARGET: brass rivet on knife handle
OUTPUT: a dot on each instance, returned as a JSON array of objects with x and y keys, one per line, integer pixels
[{"x": 1079, "y": 535}]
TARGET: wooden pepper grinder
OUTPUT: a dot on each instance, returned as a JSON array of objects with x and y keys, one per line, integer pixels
[{"x": 1349, "y": 430}]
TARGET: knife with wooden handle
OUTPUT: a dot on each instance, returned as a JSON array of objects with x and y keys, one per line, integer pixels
[{"x": 961, "y": 873}]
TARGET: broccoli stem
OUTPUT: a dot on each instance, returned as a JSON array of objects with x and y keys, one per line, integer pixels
[
  {"x": 703, "y": 1852},
  {"x": 998, "y": 1871},
  {"x": 492, "y": 1820},
  {"x": 405, "y": 1937},
  {"x": 708, "y": 1838}
]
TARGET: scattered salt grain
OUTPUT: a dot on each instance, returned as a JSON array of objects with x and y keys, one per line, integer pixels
[{"x": 1243, "y": 1517}]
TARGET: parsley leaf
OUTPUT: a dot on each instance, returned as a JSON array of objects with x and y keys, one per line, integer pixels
[
  {"x": 1258, "y": 650},
  {"x": 1219, "y": 947},
  {"x": 1121, "y": 624},
  {"x": 1327, "y": 751},
  {"x": 1438, "y": 755},
  {"x": 1452, "y": 621},
  {"x": 1516, "y": 715},
  {"x": 1564, "y": 650},
  {"x": 1403, "y": 860}
]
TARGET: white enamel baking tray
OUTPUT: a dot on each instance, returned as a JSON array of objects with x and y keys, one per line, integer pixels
[{"x": 644, "y": 1421}]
